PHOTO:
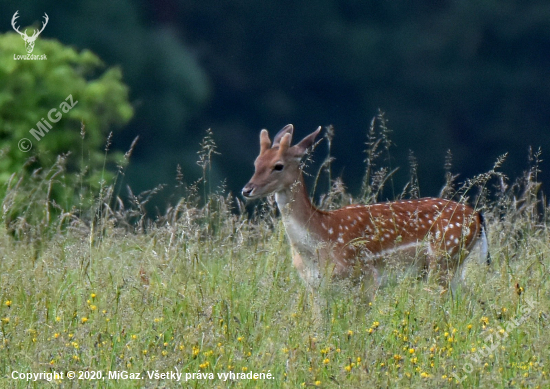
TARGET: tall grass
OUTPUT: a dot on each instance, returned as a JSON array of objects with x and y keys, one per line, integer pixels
[{"x": 207, "y": 288}]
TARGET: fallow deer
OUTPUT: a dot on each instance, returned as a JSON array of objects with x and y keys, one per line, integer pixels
[{"x": 430, "y": 233}]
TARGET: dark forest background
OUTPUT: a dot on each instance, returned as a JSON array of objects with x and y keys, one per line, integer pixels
[{"x": 469, "y": 76}]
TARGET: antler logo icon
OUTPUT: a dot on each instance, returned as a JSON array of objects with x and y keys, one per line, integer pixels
[{"x": 29, "y": 40}]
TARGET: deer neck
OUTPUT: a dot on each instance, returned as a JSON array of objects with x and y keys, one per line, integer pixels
[{"x": 298, "y": 214}]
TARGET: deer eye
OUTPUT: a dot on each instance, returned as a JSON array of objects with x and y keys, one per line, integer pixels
[{"x": 278, "y": 167}]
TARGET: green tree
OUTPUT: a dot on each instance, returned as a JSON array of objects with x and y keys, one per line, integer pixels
[{"x": 30, "y": 89}]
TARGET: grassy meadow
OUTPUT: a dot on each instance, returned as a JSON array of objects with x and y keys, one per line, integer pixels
[{"x": 208, "y": 289}]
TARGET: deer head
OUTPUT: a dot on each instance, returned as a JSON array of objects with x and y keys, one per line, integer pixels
[
  {"x": 278, "y": 165},
  {"x": 29, "y": 40}
]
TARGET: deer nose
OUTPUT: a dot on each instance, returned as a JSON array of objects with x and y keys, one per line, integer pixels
[{"x": 248, "y": 190}]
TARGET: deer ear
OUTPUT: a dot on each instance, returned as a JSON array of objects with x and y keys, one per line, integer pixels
[
  {"x": 301, "y": 148},
  {"x": 288, "y": 129}
]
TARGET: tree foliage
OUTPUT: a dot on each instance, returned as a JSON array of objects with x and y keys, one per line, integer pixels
[
  {"x": 30, "y": 89},
  {"x": 466, "y": 76},
  {"x": 459, "y": 75}
]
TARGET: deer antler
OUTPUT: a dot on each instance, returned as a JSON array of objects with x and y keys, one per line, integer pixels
[
  {"x": 15, "y": 16},
  {"x": 43, "y": 26},
  {"x": 265, "y": 142}
]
